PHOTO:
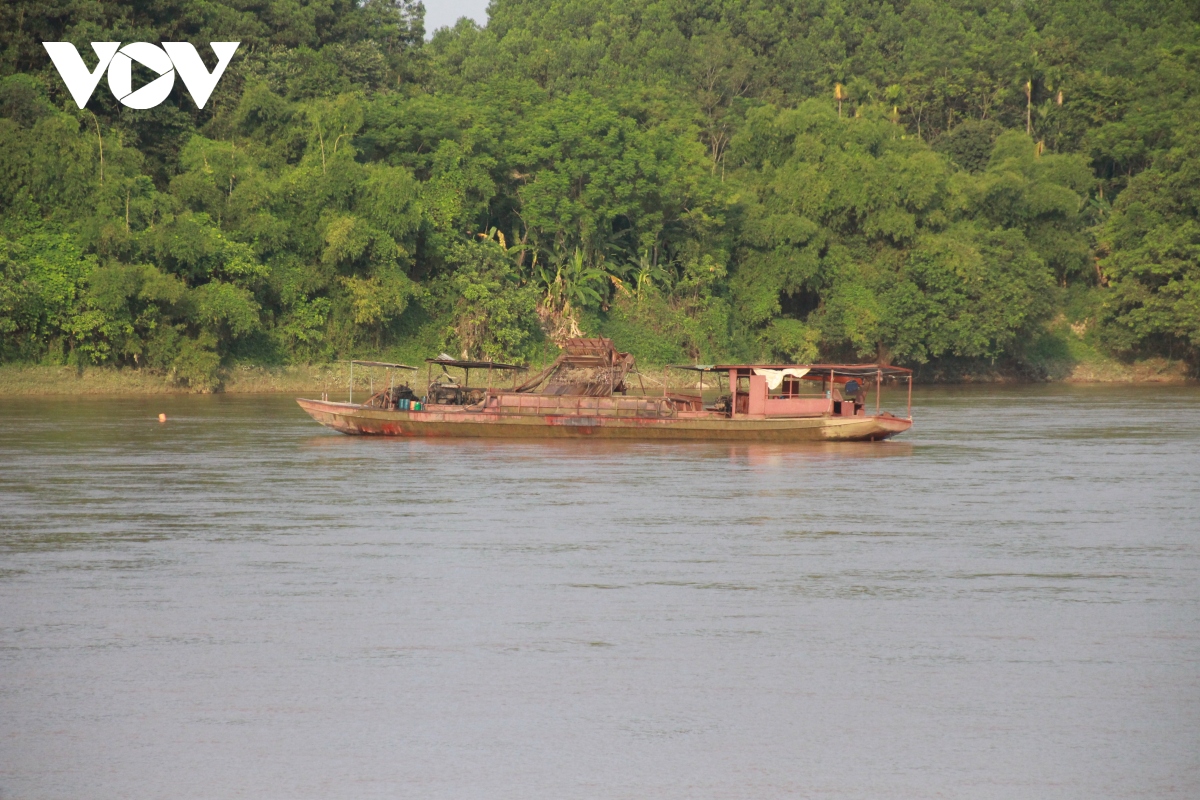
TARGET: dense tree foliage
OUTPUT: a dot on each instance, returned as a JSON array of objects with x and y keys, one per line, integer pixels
[{"x": 905, "y": 179}]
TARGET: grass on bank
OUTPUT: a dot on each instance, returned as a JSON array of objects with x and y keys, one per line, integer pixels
[{"x": 19, "y": 379}]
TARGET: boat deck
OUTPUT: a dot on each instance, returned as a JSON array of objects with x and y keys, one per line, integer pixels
[{"x": 598, "y": 417}]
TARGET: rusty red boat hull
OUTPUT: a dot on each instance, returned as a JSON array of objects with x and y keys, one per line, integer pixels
[{"x": 600, "y": 423}]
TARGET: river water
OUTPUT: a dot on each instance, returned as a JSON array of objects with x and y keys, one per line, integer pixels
[{"x": 1004, "y": 603}]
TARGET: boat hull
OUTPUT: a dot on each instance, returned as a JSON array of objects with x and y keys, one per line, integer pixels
[{"x": 358, "y": 420}]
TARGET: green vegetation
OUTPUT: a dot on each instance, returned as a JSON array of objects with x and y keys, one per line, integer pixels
[{"x": 923, "y": 181}]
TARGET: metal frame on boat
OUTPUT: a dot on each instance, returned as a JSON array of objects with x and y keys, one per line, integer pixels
[{"x": 583, "y": 393}]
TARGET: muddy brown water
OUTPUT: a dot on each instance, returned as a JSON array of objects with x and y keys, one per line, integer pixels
[{"x": 1003, "y": 603}]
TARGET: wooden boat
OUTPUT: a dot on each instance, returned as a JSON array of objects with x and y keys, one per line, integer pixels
[{"x": 584, "y": 394}]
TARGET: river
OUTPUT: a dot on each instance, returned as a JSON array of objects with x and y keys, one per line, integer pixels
[{"x": 237, "y": 603}]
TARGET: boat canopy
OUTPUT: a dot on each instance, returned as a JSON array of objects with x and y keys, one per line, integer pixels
[
  {"x": 381, "y": 364},
  {"x": 815, "y": 372},
  {"x": 446, "y": 361},
  {"x": 850, "y": 370}
]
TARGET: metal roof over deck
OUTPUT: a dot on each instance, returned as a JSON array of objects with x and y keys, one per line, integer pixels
[
  {"x": 454, "y": 362},
  {"x": 815, "y": 371}
]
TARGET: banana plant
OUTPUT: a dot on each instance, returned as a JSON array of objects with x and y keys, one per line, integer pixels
[
  {"x": 568, "y": 285},
  {"x": 646, "y": 273}
]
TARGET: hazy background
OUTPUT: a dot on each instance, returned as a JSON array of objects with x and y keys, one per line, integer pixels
[{"x": 446, "y": 13}]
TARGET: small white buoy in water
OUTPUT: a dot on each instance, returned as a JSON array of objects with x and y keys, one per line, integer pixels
[{"x": 162, "y": 417}]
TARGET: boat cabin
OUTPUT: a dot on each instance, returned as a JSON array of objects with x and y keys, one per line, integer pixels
[{"x": 796, "y": 390}]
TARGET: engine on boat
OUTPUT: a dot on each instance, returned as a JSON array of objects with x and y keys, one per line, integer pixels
[
  {"x": 453, "y": 394},
  {"x": 389, "y": 399},
  {"x": 722, "y": 404}
]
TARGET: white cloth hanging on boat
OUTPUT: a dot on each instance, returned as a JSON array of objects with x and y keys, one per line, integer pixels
[{"x": 775, "y": 376}]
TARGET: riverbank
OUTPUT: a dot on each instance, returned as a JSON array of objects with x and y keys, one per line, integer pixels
[
  {"x": 1097, "y": 370},
  {"x": 313, "y": 379},
  {"x": 23, "y": 380}
]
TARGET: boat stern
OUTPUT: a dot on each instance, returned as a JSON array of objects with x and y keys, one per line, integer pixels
[{"x": 867, "y": 429}]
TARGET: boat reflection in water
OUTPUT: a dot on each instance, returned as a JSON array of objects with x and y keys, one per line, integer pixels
[{"x": 585, "y": 393}]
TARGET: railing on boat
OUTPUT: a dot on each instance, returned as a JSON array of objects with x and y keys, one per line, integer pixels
[{"x": 542, "y": 404}]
